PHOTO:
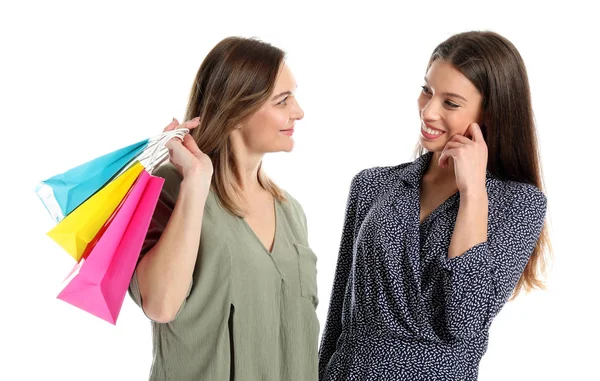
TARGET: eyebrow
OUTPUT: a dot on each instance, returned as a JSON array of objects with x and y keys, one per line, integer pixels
[
  {"x": 281, "y": 94},
  {"x": 454, "y": 95}
]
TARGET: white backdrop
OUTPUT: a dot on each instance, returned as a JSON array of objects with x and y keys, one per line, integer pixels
[{"x": 79, "y": 79}]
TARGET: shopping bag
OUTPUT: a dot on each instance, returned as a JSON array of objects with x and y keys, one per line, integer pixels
[
  {"x": 98, "y": 284},
  {"x": 78, "y": 228},
  {"x": 62, "y": 193}
]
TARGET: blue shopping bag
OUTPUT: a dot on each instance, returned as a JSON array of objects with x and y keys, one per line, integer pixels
[{"x": 62, "y": 193}]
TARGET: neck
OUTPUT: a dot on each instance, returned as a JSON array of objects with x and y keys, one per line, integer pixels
[
  {"x": 247, "y": 165},
  {"x": 247, "y": 174},
  {"x": 437, "y": 174}
]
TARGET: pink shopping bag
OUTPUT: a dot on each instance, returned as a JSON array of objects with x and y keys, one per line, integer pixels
[{"x": 98, "y": 283}]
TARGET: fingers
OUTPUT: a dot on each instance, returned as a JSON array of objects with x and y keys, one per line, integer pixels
[
  {"x": 446, "y": 155},
  {"x": 174, "y": 123},
  {"x": 443, "y": 162},
  {"x": 455, "y": 143},
  {"x": 191, "y": 124},
  {"x": 451, "y": 145},
  {"x": 173, "y": 144},
  {"x": 190, "y": 144},
  {"x": 460, "y": 139},
  {"x": 474, "y": 131}
]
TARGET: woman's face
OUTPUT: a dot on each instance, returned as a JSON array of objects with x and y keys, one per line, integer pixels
[
  {"x": 448, "y": 104},
  {"x": 271, "y": 128}
]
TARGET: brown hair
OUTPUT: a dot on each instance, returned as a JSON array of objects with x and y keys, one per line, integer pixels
[
  {"x": 495, "y": 67},
  {"x": 235, "y": 79}
]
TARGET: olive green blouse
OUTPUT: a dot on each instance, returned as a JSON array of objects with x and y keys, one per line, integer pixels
[{"x": 250, "y": 313}]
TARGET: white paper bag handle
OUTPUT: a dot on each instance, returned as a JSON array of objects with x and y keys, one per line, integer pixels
[{"x": 160, "y": 152}]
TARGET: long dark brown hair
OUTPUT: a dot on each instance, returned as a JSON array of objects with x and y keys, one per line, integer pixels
[
  {"x": 495, "y": 67},
  {"x": 235, "y": 79}
]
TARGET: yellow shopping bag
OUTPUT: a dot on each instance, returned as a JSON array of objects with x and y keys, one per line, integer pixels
[{"x": 80, "y": 227}]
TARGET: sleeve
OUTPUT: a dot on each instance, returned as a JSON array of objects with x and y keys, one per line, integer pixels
[
  {"x": 333, "y": 325},
  {"x": 478, "y": 283},
  {"x": 160, "y": 218}
]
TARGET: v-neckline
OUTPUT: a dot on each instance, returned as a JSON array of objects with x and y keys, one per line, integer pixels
[
  {"x": 257, "y": 238},
  {"x": 436, "y": 210}
]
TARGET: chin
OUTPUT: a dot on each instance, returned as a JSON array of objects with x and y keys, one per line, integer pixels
[
  {"x": 288, "y": 147},
  {"x": 437, "y": 146}
]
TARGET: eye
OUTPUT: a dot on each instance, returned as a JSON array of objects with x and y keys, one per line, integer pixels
[
  {"x": 452, "y": 104},
  {"x": 283, "y": 101},
  {"x": 426, "y": 90}
]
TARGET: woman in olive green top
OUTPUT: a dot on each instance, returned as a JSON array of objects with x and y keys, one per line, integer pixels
[{"x": 226, "y": 274}]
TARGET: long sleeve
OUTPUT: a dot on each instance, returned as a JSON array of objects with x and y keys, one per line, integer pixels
[
  {"x": 478, "y": 283},
  {"x": 333, "y": 325}
]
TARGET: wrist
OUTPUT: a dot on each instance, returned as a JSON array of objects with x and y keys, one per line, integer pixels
[
  {"x": 479, "y": 194},
  {"x": 197, "y": 180}
]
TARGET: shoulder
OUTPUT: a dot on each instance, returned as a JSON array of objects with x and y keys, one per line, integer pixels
[
  {"x": 379, "y": 173},
  {"x": 172, "y": 178},
  {"x": 377, "y": 178},
  {"x": 294, "y": 214},
  {"x": 172, "y": 185},
  {"x": 292, "y": 206},
  {"x": 517, "y": 196},
  {"x": 168, "y": 172}
]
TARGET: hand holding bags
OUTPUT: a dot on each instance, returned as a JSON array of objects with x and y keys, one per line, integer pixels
[{"x": 105, "y": 232}]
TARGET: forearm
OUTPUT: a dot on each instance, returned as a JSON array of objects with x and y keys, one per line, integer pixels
[
  {"x": 471, "y": 224},
  {"x": 165, "y": 272}
]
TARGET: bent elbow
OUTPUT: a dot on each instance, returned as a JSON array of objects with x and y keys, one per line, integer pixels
[{"x": 160, "y": 312}]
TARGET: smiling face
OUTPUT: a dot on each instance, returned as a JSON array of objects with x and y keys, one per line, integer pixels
[
  {"x": 448, "y": 104},
  {"x": 271, "y": 128}
]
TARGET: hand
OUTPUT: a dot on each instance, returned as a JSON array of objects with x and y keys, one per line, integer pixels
[
  {"x": 186, "y": 156},
  {"x": 469, "y": 154}
]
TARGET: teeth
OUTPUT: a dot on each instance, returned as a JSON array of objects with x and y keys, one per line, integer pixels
[{"x": 431, "y": 131}]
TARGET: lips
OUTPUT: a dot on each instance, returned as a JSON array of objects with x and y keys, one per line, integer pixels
[
  {"x": 431, "y": 133},
  {"x": 431, "y": 130}
]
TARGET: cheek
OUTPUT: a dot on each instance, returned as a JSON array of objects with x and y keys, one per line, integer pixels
[
  {"x": 272, "y": 120},
  {"x": 278, "y": 119},
  {"x": 421, "y": 102},
  {"x": 459, "y": 122},
  {"x": 265, "y": 127},
  {"x": 266, "y": 120}
]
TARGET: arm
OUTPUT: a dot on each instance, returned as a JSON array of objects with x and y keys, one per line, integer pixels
[
  {"x": 479, "y": 282},
  {"x": 333, "y": 325},
  {"x": 163, "y": 276},
  {"x": 469, "y": 156},
  {"x": 471, "y": 224}
]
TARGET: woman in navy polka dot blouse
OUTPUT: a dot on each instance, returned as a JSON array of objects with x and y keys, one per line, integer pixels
[{"x": 431, "y": 250}]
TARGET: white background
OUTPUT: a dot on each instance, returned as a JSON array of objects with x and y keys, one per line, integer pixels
[{"x": 79, "y": 79}]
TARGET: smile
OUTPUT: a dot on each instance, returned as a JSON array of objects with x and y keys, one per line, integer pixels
[{"x": 431, "y": 133}]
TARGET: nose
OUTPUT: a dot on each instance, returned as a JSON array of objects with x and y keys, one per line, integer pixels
[
  {"x": 430, "y": 110},
  {"x": 297, "y": 112}
]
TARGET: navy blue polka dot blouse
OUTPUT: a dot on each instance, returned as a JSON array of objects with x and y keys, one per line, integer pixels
[{"x": 400, "y": 309}]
